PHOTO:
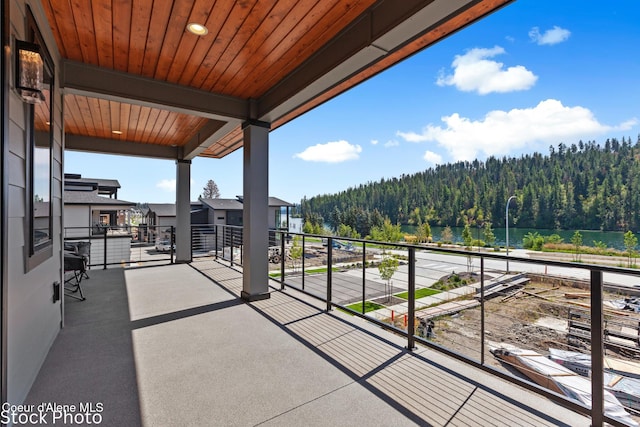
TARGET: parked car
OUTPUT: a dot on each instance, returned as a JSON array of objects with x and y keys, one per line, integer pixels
[
  {"x": 163, "y": 245},
  {"x": 334, "y": 243}
]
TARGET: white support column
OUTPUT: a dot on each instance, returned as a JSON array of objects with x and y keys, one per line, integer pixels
[
  {"x": 183, "y": 211},
  {"x": 255, "y": 263}
]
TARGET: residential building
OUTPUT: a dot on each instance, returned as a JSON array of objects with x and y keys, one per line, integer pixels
[{"x": 86, "y": 209}]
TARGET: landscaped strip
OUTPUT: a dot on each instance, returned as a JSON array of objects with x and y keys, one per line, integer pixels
[
  {"x": 420, "y": 293},
  {"x": 368, "y": 306}
]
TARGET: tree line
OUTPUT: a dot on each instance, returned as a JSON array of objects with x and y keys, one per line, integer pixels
[{"x": 581, "y": 186}]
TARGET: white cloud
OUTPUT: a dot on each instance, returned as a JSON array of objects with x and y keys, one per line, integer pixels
[
  {"x": 433, "y": 158},
  {"x": 503, "y": 132},
  {"x": 167, "y": 185},
  {"x": 374, "y": 142},
  {"x": 391, "y": 143},
  {"x": 474, "y": 72},
  {"x": 550, "y": 37},
  {"x": 331, "y": 152}
]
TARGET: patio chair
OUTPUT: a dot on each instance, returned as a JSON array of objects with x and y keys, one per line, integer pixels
[
  {"x": 75, "y": 266},
  {"x": 84, "y": 250}
]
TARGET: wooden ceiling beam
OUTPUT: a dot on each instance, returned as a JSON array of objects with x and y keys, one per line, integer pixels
[
  {"x": 211, "y": 133},
  {"x": 92, "y": 81},
  {"x": 382, "y": 30},
  {"x": 119, "y": 147}
]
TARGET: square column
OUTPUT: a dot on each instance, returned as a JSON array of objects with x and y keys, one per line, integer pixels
[
  {"x": 183, "y": 211},
  {"x": 255, "y": 237}
]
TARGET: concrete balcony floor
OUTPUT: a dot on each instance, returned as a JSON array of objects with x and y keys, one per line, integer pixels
[{"x": 174, "y": 345}]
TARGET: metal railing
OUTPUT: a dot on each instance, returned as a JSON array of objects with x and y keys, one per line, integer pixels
[
  {"x": 108, "y": 246},
  {"x": 125, "y": 245},
  {"x": 468, "y": 304},
  {"x": 220, "y": 241},
  {"x": 460, "y": 302},
  {"x": 225, "y": 242}
]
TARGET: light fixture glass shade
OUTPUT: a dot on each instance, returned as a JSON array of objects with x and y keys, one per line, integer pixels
[
  {"x": 29, "y": 72},
  {"x": 197, "y": 29}
]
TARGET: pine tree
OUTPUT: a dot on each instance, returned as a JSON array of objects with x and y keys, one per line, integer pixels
[{"x": 211, "y": 190}]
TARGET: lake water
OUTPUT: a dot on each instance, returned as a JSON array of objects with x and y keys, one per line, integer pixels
[{"x": 613, "y": 239}]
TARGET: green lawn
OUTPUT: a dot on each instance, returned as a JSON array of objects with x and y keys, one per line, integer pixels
[
  {"x": 309, "y": 271},
  {"x": 368, "y": 306},
  {"x": 420, "y": 293}
]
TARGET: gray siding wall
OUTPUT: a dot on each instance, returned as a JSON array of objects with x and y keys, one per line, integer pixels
[{"x": 33, "y": 320}]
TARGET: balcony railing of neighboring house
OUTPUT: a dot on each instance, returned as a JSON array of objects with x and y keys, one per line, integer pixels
[
  {"x": 122, "y": 245},
  {"x": 465, "y": 304}
]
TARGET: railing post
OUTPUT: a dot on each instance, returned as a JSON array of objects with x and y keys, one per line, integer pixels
[
  {"x": 241, "y": 246},
  {"x": 171, "y": 240},
  {"x": 482, "y": 310},
  {"x": 231, "y": 247},
  {"x": 104, "y": 258},
  {"x": 215, "y": 243},
  {"x": 282, "y": 255},
  {"x": 329, "y": 268},
  {"x": 364, "y": 275},
  {"x": 597, "y": 350},
  {"x": 303, "y": 262},
  {"x": 411, "y": 325}
]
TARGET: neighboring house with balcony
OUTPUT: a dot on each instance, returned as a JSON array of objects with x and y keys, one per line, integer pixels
[
  {"x": 206, "y": 212},
  {"x": 93, "y": 214},
  {"x": 104, "y": 187},
  {"x": 87, "y": 210},
  {"x": 229, "y": 211},
  {"x": 160, "y": 217},
  {"x": 214, "y": 211}
]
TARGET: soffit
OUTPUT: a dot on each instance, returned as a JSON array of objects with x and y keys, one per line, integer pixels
[{"x": 131, "y": 66}]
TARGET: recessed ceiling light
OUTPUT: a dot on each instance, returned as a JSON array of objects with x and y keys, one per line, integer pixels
[
  {"x": 117, "y": 132},
  {"x": 197, "y": 29}
]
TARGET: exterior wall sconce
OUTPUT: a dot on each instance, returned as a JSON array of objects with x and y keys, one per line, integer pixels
[{"x": 29, "y": 72}]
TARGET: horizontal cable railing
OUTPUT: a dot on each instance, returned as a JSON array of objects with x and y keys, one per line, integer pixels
[
  {"x": 113, "y": 246},
  {"x": 562, "y": 329}
]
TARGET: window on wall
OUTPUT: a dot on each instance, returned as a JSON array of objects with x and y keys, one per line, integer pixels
[{"x": 39, "y": 132}]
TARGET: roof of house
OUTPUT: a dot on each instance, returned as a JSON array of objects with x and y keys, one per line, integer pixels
[
  {"x": 223, "y": 204},
  {"x": 71, "y": 179},
  {"x": 274, "y": 201},
  {"x": 236, "y": 204},
  {"x": 169, "y": 209},
  {"x": 92, "y": 198},
  {"x": 162, "y": 209}
]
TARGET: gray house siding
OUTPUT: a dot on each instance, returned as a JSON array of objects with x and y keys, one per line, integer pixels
[{"x": 33, "y": 319}]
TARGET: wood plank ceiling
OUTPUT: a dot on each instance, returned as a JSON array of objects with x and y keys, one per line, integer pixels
[{"x": 260, "y": 53}]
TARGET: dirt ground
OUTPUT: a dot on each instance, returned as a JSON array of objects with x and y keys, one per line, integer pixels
[{"x": 534, "y": 318}]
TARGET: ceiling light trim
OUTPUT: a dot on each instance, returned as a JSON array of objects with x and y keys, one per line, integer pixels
[{"x": 197, "y": 29}]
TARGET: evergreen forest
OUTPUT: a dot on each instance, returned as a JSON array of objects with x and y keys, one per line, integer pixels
[{"x": 582, "y": 186}]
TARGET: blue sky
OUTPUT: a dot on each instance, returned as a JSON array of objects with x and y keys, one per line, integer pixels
[{"x": 533, "y": 74}]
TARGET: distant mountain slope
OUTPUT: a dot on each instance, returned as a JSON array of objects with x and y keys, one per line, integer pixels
[{"x": 581, "y": 186}]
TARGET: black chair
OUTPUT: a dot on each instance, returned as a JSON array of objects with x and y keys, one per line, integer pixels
[
  {"x": 84, "y": 250},
  {"x": 75, "y": 266}
]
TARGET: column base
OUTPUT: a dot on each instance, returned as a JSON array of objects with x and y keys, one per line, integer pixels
[{"x": 254, "y": 297}]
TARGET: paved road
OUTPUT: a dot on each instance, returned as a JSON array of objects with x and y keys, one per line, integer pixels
[{"x": 430, "y": 267}]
